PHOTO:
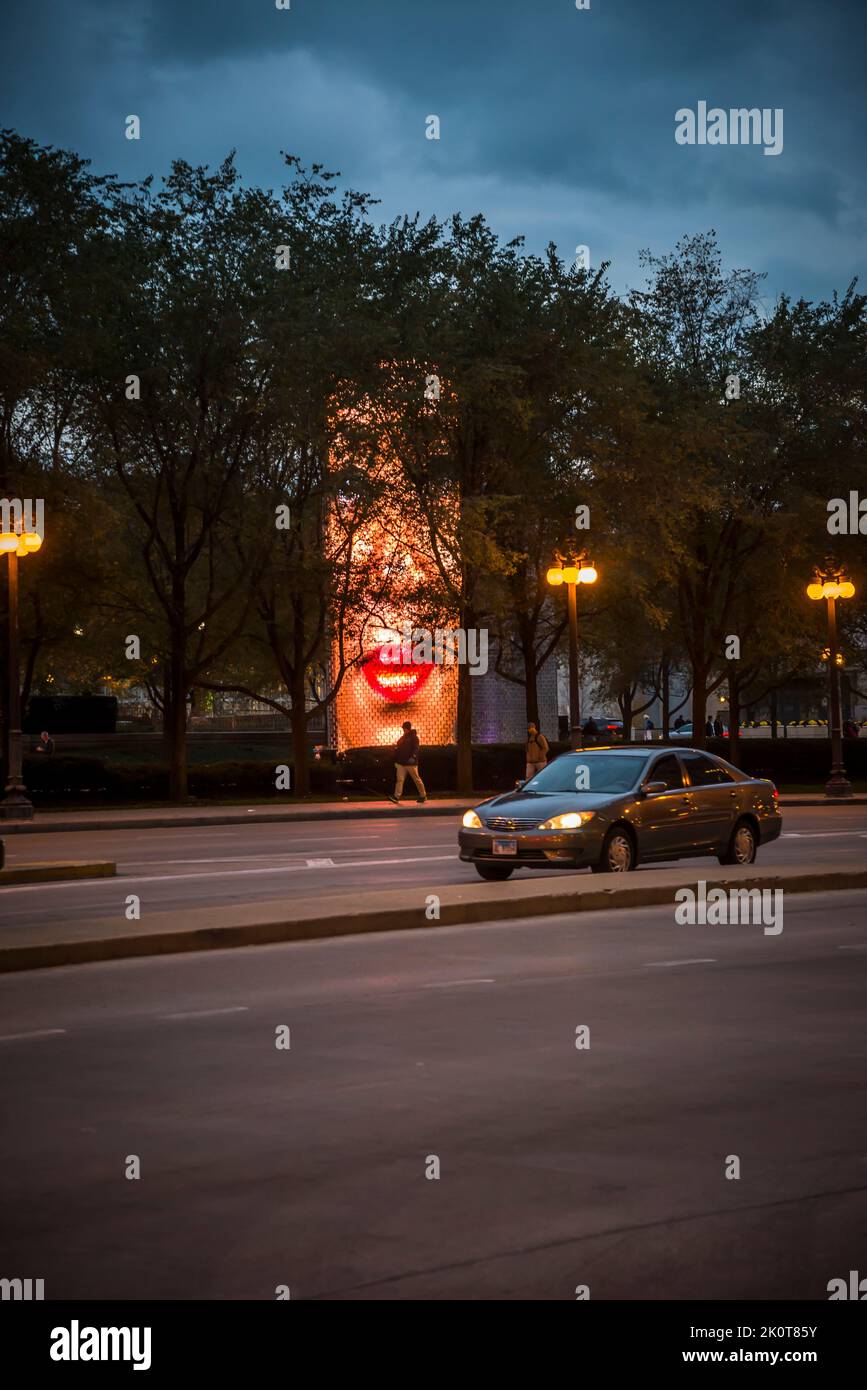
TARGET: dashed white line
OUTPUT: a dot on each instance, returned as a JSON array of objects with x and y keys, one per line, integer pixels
[
  {"x": 208, "y": 1013},
  {"x": 663, "y": 964},
  {"x": 447, "y": 984},
  {"x": 24, "y": 1037},
  {"x": 230, "y": 873}
]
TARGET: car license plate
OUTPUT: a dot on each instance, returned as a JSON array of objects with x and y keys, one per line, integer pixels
[{"x": 505, "y": 847}]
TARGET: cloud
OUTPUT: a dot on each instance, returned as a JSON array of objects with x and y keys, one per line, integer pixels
[{"x": 556, "y": 123}]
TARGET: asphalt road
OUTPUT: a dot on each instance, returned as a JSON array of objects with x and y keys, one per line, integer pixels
[
  {"x": 558, "y": 1166},
  {"x": 196, "y": 867}
]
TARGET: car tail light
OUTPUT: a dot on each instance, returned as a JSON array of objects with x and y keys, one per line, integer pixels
[{"x": 776, "y": 794}]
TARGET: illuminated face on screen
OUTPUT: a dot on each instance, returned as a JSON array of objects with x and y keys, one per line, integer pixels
[
  {"x": 383, "y": 690},
  {"x": 386, "y": 686},
  {"x": 393, "y": 678}
]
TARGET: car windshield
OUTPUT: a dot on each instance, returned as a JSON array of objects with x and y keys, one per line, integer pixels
[{"x": 589, "y": 772}]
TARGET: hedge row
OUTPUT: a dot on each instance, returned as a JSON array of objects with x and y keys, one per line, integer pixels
[
  {"x": 496, "y": 767},
  {"x": 66, "y": 777},
  {"x": 795, "y": 760}
]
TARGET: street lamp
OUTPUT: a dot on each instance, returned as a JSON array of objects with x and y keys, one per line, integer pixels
[
  {"x": 16, "y": 804},
  {"x": 580, "y": 572},
  {"x": 830, "y": 585}
]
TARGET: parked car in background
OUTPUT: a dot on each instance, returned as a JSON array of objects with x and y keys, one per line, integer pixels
[
  {"x": 614, "y": 808},
  {"x": 607, "y": 726}
]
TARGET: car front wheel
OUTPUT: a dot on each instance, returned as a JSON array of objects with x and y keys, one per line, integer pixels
[
  {"x": 495, "y": 872},
  {"x": 618, "y": 854},
  {"x": 742, "y": 845}
]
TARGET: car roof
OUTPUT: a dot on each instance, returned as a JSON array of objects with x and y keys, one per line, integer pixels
[{"x": 617, "y": 748}]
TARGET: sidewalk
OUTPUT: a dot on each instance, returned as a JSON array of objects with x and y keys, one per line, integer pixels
[
  {"x": 167, "y": 817},
  {"x": 402, "y": 909}
]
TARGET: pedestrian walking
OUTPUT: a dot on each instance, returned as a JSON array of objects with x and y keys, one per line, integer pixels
[
  {"x": 648, "y": 729},
  {"x": 535, "y": 752},
  {"x": 708, "y": 728},
  {"x": 719, "y": 727},
  {"x": 406, "y": 752},
  {"x": 45, "y": 744}
]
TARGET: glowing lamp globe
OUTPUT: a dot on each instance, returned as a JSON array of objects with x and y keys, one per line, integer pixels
[
  {"x": 831, "y": 589},
  {"x": 554, "y": 576},
  {"x": 847, "y": 589},
  {"x": 570, "y": 574},
  {"x": 31, "y": 540},
  {"x": 815, "y": 591},
  {"x": 8, "y": 542},
  {"x": 587, "y": 575}
]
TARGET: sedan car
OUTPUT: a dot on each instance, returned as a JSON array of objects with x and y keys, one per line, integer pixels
[{"x": 614, "y": 808}]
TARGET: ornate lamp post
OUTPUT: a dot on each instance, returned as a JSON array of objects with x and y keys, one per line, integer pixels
[
  {"x": 581, "y": 572},
  {"x": 15, "y": 805},
  {"x": 830, "y": 585}
]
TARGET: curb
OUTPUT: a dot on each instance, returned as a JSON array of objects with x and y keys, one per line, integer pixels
[
  {"x": 164, "y": 822},
  {"x": 314, "y": 927},
  {"x": 49, "y": 873}
]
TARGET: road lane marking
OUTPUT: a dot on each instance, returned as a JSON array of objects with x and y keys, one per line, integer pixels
[
  {"x": 663, "y": 964},
  {"x": 320, "y": 863},
  {"x": 208, "y": 1013},
  {"x": 40, "y": 1033},
  {"x": 251, "y": 858},
  {"x": 230, "y": 873},
  {"x": 852, "y": 948},
  {"x": 447, "y": 984},
  {"x": 820, "y": 834}
]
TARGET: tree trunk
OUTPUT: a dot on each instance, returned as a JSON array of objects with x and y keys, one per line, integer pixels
[
  {"x": 176, "y": 721},
  {"x": 301, "y": 771},
  {"x": 666, "y": 696},
  {"x": 699, "y": 705},
  {"x": 774, "y": 733},
  {"x": 734, "y": 749},
  {"x": 625, "y": 703},
  {"x": 464, "y": 731},
  {"x": 531, "y": 688}
]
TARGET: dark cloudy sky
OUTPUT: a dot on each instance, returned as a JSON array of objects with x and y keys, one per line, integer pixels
[{"x": 556, "y": 123}]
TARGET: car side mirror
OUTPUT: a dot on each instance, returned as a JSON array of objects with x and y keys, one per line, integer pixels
[
  {"x": 518, "y": 786},
  {"x": 652, "y": 787}
]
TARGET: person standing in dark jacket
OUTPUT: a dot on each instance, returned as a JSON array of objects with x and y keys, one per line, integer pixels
[{"x": 406, "y": 761}]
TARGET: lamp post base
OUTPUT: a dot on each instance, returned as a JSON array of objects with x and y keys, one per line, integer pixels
[
  {"x": 15, "y": 806},
  {"x": 838, "y": 783}
]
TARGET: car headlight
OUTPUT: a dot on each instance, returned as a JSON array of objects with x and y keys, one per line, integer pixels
[
  {"x": 570, "y": 820},
  {"x": 471, "y": 821}
]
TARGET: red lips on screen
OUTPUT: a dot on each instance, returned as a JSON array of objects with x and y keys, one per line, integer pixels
[{"x": 392, "y": 678}]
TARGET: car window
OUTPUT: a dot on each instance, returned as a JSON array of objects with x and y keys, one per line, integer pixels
[
  {"x": 590, "y": 771},
  {"x": 704, "y": 772},
  {"x": 667, "y": 770}
]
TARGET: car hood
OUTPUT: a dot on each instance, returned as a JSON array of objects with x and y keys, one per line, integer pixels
[{"x": 547, "y": 804}]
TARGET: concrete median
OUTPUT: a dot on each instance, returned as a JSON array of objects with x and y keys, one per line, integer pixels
[
  {"x": 51, "y": 872},
  {"x": 272, "y": 922}
]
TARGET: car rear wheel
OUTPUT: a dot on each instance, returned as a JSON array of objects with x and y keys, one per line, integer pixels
[
  {"x": 742, "y": 845},
  {"x": 618, "y": 853},
  {"x": 496, "y": 872}
]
